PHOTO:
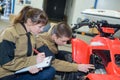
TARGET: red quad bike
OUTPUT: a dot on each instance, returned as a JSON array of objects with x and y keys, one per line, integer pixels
[{"x": 103, "y": 51}]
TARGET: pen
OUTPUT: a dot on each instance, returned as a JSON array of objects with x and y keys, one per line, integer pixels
[{"x": 36, "y": 51}]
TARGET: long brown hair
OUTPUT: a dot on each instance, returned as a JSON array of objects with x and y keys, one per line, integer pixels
[
  {"x": 36, "y": 15},
  {"x": 21, "y": 16}
]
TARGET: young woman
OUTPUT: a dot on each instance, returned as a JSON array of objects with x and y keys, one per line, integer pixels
[
  {"x": 16, "y": 43},
  {"x": 59, "y": 35}
]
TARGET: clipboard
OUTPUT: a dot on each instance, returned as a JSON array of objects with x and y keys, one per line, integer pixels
[{"x": 45, "y": 63}]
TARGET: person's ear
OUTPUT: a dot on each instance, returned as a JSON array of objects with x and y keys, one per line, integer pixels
[
  {"x": 54, "y": 36},
  {"x": 29, "y": 22}
]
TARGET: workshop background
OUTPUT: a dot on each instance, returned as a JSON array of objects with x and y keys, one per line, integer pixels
[{"x": 57, "y": 10}]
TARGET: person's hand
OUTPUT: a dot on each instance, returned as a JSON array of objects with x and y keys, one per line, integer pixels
[
  {"x": 40, "y": 57},
  {"x": 85, "y": 67},
  {"x": 34, "y": 69}
]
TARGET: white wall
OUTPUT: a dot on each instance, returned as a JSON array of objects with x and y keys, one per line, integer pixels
[
  {"x": 108, "y": 4},
  {"x": 75, "y": 7},
  {"x": 34, "y": 3},
  {"x": 69, "y": 11}
]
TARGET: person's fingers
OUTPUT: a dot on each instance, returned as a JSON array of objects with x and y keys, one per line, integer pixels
[
  {"x": 40, "y": 57},
  {"x": 91, "y": 66},
  {"x": 42, "y": 54},
  {"x": 40, "y": 69},
  {"x": 86, "y": 70},
  {"x": 33, "y": 69},
  {"x": 85, "y": 67}
]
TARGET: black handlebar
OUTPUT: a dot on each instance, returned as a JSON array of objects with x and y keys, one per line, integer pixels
[
  {"x": 77, "y": 26},
  {"x": 98, "y": 25},
  {"x": 106, "y": 24}
]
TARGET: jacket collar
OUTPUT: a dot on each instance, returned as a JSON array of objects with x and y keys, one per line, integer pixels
[{"x": 20, "y": 29}]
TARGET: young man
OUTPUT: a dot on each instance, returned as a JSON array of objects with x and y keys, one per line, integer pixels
[{"x": 48, "y": 42}]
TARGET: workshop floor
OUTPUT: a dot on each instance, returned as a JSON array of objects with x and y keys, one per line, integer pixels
[{"x": 3, "y": 24}]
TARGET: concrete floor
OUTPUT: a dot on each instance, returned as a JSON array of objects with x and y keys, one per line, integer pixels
[{"x": 4, "y": 24}]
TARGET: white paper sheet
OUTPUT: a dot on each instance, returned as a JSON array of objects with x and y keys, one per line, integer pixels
[{"x": 43, "y": 64}]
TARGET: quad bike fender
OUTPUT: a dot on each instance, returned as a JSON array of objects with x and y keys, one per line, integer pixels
[
  {"x": 113, "y": 69},
  {"x": 92, "y": 76},
  {"x": 80, "y": 51}
]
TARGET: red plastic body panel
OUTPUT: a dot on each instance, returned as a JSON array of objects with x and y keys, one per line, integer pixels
[
  {"x": 114, "y": 47},
  {"x": 105, "y": 48},
  {"x": 99, "y": 40},
  {"x": 80, "y": 51},
  {"x": 102, "y": 77},
  {"x": 108, "y": 30}
]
